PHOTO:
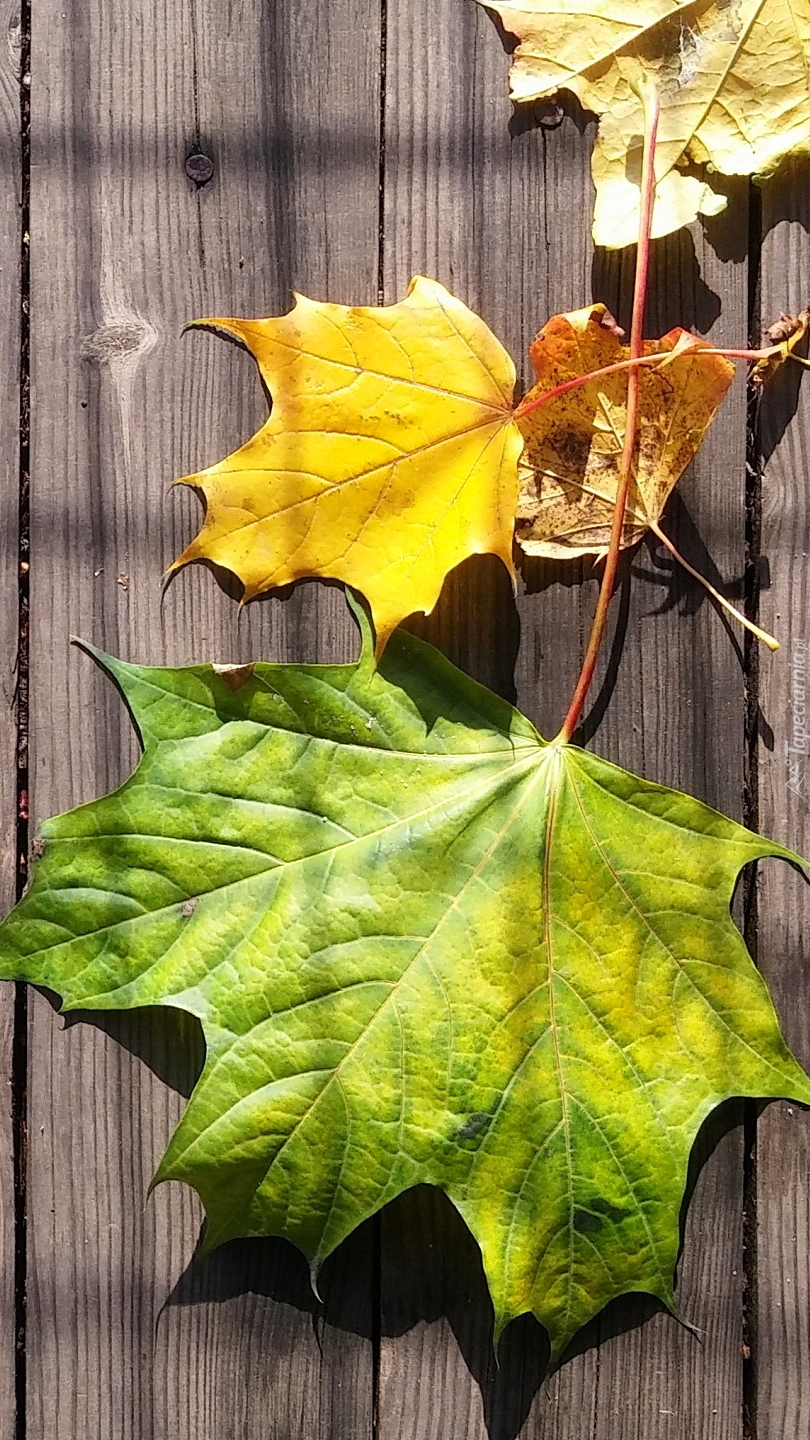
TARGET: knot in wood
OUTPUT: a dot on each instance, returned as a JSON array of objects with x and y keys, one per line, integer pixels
[{"x": 114, "y": 342}]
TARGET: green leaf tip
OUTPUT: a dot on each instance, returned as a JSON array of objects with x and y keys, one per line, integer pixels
[
  {"x": 361, "y": 615},
  {"x": 424, "y": 947}
]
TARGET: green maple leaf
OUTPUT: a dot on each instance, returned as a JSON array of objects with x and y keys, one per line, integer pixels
[{"x": 424, "y": 946}]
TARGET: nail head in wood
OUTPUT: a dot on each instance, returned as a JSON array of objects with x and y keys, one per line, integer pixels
[{"x": 199, "y": 168}]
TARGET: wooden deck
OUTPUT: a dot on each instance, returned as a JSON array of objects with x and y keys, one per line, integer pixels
[{"x": 355, "y": 144}]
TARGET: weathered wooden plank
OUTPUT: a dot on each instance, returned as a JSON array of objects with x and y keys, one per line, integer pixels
[
  {"x": 503, "y": 220},
  {"x": 782, "y": 1349},
  {"x": 121, "y": 1341},
  {"x": 677, "y": 716},
  {"x": 10, "y": 273}
]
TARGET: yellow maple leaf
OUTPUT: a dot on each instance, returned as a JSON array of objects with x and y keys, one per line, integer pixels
[
  {"x": 569, "y": 471},
  {"x": 733, "y": 77},
  {"x": 390, "y": 454}
]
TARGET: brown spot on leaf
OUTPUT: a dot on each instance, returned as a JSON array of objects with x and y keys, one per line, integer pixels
[
  {"x": 474, "y": 1126},
  {"x": 586, "y": 1223},
  {"x": 234, "y": 677},
  {"x": 572, "y": 446},
  {"x": 609, "y": 322}
]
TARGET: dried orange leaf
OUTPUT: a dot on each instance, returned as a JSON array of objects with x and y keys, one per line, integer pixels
[
  {"x": 389, "y": 457},
  {"x": 787, "y": 332},
  {"x": 570, "y": 465}
]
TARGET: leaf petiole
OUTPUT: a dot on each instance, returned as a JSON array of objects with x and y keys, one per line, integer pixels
[
  {"x": 651, "y": 104},
  {"x": 769, "y": 640},
  {"x": 527, "y": 406},
  {"x": 654, "y": 361}
]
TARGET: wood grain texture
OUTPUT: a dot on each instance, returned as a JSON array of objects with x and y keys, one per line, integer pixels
[
  {"x": 782, "y": 1352},
  {"x": 10, "y": 277},
  {"x": 130, "y": 1335},
  {"x": 496, "y": 206}
]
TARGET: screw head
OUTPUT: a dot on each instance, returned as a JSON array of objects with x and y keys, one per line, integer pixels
[
  {"x": 199, "y": 168},
  {"x": 548, "y": 114}
]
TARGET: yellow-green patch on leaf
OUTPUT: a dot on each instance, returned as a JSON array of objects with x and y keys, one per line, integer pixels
[{"x": 424, "y": 947}]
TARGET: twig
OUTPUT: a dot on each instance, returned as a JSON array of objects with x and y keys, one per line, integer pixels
[{"x": 769, "y": 640}]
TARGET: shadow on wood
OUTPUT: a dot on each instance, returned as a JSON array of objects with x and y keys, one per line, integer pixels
[
  {"x": 678, "y": 294},
  {"x": 687, "y": 595},
  {"x": 682, "y": 591},
  {"x": 275, "y": 1269},
  {"x": 779, "y": 403},
  {"x": 474, "y": 623},
  {"x": 414, "y": 1267},
  {"x": 539, "y": 575},
  {"x": 168, "y": 1041}
]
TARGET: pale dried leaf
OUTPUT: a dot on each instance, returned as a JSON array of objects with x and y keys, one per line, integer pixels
[{"x": 733, "y": 77}]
